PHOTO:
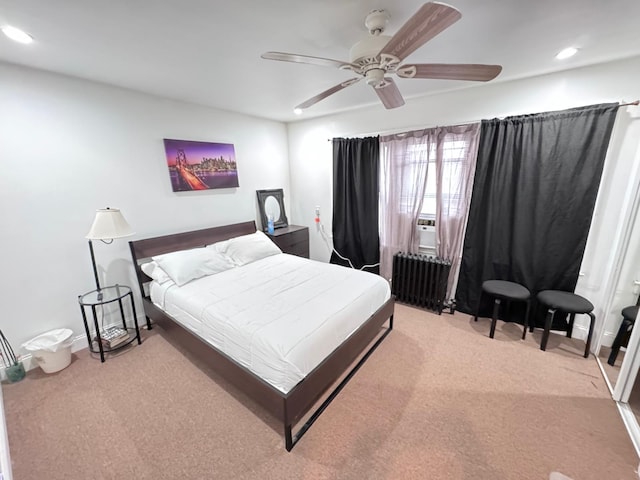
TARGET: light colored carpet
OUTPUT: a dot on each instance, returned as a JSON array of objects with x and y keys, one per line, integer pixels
[
  {"x": 438, "y": 400},
  {"x": 558, "y": 476}
]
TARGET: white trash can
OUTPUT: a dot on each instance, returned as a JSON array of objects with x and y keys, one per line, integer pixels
[{"x": 52, "y": 350}]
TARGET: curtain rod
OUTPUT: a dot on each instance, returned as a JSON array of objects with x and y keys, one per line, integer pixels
[
  {"x": 392, "y": 132},
  {"x": 404, "y": 130}
]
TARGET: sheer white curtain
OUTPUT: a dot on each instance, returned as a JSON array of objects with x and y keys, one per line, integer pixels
[
  {"x": 404, "y": 161},
  {"x": 457, "y": 148}
]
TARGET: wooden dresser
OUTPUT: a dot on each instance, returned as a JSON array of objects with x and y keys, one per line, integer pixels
[{"x": 293, "y": 240}]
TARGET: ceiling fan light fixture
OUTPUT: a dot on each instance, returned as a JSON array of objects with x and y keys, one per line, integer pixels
[
  {"x": 368, "y": 48},
  {"x": 566, "y": 53},
  {"x": 297, "y": 111},
  {"x": 377, "y": 58},
  {"x": 17, "y": 35},
  {"x": 376, "y": 21},
  {"x": 375, "y": 77}
]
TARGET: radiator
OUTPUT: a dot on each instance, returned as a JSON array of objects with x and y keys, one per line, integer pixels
[{"x": 420, "y": 280}]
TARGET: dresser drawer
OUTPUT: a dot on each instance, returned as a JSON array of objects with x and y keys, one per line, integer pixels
[
  {"x": 293, "y": 240},
  {"x": 300, "y": 249}
]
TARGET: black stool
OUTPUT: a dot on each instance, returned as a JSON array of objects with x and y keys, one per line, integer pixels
[
  {"x": 569, "y": 303},
  {"x": 503, "y": 290},
  {"x": 629, "y": 315}
]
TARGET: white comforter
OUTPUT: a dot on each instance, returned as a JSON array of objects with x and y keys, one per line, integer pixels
[{"x": 279, "y": 316}]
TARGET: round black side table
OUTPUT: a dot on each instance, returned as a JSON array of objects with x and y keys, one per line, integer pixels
[{"x": 104, "y": 296}]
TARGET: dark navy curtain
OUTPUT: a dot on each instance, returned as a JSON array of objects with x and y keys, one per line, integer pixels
[
  {"x": 355, "y": 202},
  {"x": 535, "y": 187}
]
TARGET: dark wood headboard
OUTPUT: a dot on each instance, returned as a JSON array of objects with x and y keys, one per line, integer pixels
[{"x": 149, "y": 247}]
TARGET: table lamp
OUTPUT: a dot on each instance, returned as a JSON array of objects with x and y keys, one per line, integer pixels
[{"x": 107, "y": 225}]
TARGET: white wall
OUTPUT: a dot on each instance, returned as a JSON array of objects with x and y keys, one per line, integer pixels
[
  {"x": 68, "y": 147},
  {"x": 310, "y": 154}
]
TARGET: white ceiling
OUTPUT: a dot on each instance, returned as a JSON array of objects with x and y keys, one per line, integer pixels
[{"x": 208, "y": 51}]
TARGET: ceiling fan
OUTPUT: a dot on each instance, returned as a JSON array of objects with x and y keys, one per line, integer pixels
[{"x": 378, "y": 55}]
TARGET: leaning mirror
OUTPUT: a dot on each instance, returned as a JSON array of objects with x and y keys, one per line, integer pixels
[{"x": 271, "y": 202}]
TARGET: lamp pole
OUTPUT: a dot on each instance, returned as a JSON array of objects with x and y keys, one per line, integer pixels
[{"x": 93, "y": 263}]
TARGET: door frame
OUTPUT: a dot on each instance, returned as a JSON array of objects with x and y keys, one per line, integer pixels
[
  {"x": 628, "y": 218},
  {"x": 631, "y": 362}
]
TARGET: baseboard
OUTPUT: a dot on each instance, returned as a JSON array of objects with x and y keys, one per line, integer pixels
[
  {"x": 581, "y": 332},
  {"x": 604, "y": 375},
  {"x": 631, "y": 423},
  {"x": 79, "y": 343},
  {"x": 607, "y": 339}
]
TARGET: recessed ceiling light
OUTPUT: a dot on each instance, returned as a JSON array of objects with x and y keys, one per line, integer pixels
[
  {"x": 566, "y": 53},
  {"x": 16, "y": 34},
  {"x": 297, "y": 111}
]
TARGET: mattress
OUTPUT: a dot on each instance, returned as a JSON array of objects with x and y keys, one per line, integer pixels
[{"x": 279, "y": 316}]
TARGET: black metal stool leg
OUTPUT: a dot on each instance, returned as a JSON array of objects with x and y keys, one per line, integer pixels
[
  {"x": 475, "y": 317},
  {"x": 570, "y": 327},
  {"x": 494, "y": 317},
  {"x": 617, "y": 342},
  {"x": 526, "y": 320},
  {"x": 534, "y": 314},
  {"x": 591, "y": 324},
  {"x": 547, "y": 326}
]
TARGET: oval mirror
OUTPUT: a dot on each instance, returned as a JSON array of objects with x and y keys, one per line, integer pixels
[
  {"x": 271, "y": 204},
  {"x": 272, "y": 207}
]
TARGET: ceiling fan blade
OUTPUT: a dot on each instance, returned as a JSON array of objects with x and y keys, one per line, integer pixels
[
  {"x": 448, "y": 71},
  {"x": 426, "y": 23},
  {"x": 295, "y": 58},
  {"x": 326, "y": 93},
  {"x": 390, "y": 95}
]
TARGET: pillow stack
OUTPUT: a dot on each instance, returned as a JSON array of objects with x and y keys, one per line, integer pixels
[
  {"x": 247, "y": 248},
  {"x": 185, "y": 265}
]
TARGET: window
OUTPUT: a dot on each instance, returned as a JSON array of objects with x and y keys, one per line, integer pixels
[
  {"x": 412, "y": 189},
  {"x": 453, "y": 155}
]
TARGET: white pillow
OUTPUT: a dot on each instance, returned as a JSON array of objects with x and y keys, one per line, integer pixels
[
  {"x": 186, "y": 265},
  {"x": 155, "y": 272},
  {"x": 249, "y": 248},
  {"x": 220, "y": 247}
]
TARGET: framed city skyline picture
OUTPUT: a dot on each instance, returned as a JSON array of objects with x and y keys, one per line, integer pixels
[{"x": 200, "y": 165}]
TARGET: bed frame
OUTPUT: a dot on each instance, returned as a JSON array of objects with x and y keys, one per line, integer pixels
[{"x": 291, "y": 407}]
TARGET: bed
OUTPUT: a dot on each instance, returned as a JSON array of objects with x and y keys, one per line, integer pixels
[{"x": 233, "y": 321}]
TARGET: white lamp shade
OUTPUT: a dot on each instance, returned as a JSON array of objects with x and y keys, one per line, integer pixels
[{"x": 109, "y": 223}]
